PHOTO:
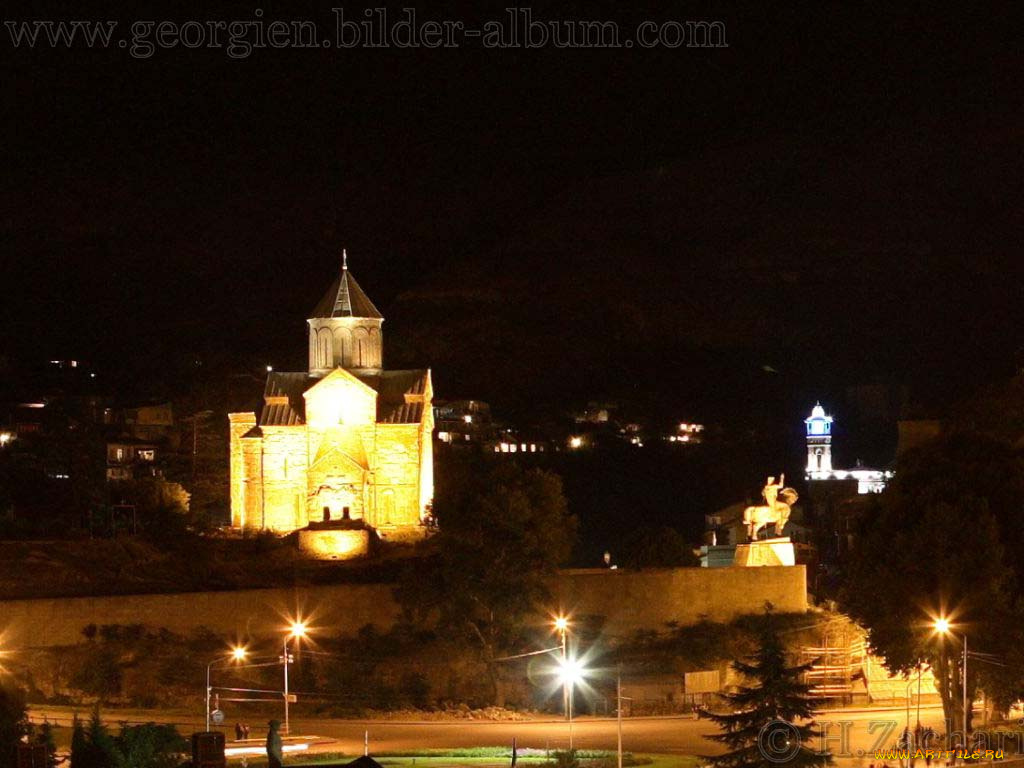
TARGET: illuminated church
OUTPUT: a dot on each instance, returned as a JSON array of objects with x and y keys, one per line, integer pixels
[{"x": 346, "y": 444}]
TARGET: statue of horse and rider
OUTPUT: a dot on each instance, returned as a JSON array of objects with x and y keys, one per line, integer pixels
[{"x": 778, "y": 505}]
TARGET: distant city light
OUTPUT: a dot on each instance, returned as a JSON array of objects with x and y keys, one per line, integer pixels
[
  {"x": 575, "y": 442},
  {"x": 270, "y": 369},
  {"x": 468, "y": 418}
]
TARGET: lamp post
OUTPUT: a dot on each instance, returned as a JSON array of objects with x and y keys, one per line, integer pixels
[
  {"x": 298, "y": 631},
  {"x": 562, "y": 627},
  {"x": 918, "y": 728},
  {"x": 572, "y": 672},
  {"x": 619, "y": 698},
  {"x": 237, "y": 654},
  {"x": 942, "y": 626}
]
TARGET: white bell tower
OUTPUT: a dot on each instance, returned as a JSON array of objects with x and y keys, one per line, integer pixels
[{"x": 819, "y": 444}]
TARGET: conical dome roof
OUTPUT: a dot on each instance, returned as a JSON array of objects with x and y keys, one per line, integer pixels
[{"x": 345, "y": 298}]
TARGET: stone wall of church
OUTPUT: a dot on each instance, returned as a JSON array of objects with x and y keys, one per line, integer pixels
[
  {"x": 252, "y": 490},
  {"x": 426, "y": 437},
  {"x": 337, "y": 477},
  {"x": 397, "y": 477},
  {"x": 239, "y": 424},
  {"x": 285, "y": 468}
]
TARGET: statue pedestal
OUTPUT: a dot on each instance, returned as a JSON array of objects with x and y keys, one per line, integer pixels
[{"x": 765, "y": 552}]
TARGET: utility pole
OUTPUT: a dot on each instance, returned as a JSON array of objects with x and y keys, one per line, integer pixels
[
  {"x": 966, "y": 711},
  {"x": 618, "y": 713},
  {"x": 619, "y": 698}
]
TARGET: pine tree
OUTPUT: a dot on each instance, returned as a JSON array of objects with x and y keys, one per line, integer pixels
[
  {"x": 771, "y": 720},
  {"x": 13, "y": 722},
  {"x": 45, "y": 737}
]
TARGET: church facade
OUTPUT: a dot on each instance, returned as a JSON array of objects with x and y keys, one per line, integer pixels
[{"x": 344, "y": 444}]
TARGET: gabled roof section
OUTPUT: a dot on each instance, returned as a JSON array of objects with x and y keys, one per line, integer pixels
[
  {"x": 400, "y": 395},
  {"x": 283, "y": 404},
  {"x": 345, "y": 298},
  {"x": 340, "y": 373}
]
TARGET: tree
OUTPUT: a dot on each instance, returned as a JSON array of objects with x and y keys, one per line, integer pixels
[
  {"x": 503, "y": 533},
  {"x": 656, "y": 548},
  {"x": 92, "y": 746},
  {"x": 45, "y": 737},
  {"x": 763, "y": 730},
  {"x": 13, "y": 722},
  {"x": 945, "y": 539}
]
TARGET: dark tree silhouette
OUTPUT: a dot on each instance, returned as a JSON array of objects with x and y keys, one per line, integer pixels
[
  {"x": 503, "y": 532},
  {"x": 772, "y": 717},
  {"x": 946, "y": 539}
]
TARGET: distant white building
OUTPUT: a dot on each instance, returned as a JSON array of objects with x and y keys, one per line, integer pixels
[{"x": 819, "y": 457}]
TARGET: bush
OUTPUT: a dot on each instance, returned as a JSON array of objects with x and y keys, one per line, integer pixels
[{"x": 137, "y": 746}]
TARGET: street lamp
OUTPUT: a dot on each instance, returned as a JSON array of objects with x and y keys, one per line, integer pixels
[
  {"x": 943, "y": 627},
  {"x": 298, "y": 631},
  {"x": 572, "y": 672},
  {"x": 238, "y": 653},
  {"x": 562, "y": 628}
]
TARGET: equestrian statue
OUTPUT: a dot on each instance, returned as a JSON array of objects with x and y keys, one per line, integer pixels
[{"x": 778, "y": 505}]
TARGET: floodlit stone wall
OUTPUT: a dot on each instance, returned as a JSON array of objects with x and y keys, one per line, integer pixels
[
  {"x": 334, "y": 544},
  {"x": 620, "y": 601}
]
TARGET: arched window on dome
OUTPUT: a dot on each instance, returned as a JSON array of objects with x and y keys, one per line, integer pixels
[
  {"x": 376, "y": 348},
  {"x": 343, "y": 344},
  {"x": 360, "y": 348},
  {"x": 324, "y": 357}
]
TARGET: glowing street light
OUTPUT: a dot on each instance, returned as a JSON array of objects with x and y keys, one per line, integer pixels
[
  {"x": 238, "y": 654},
  {"x": 943, "y": 627},
  {"x": 298, "y": 630},
  {"x": 561, "y": 624},
  {"x": 572, "y": 672}
]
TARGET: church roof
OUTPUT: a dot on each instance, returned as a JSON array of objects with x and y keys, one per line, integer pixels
[
  {"x": 284, "y": 405},
  {"x": 346, "y": 299},
  {"x": 392, "y": 387}
]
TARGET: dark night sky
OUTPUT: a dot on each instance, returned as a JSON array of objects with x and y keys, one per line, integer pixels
[{"x": 836, "y": 195}]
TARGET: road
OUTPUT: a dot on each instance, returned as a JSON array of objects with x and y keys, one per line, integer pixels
[{"x": 863, "y": 730}]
